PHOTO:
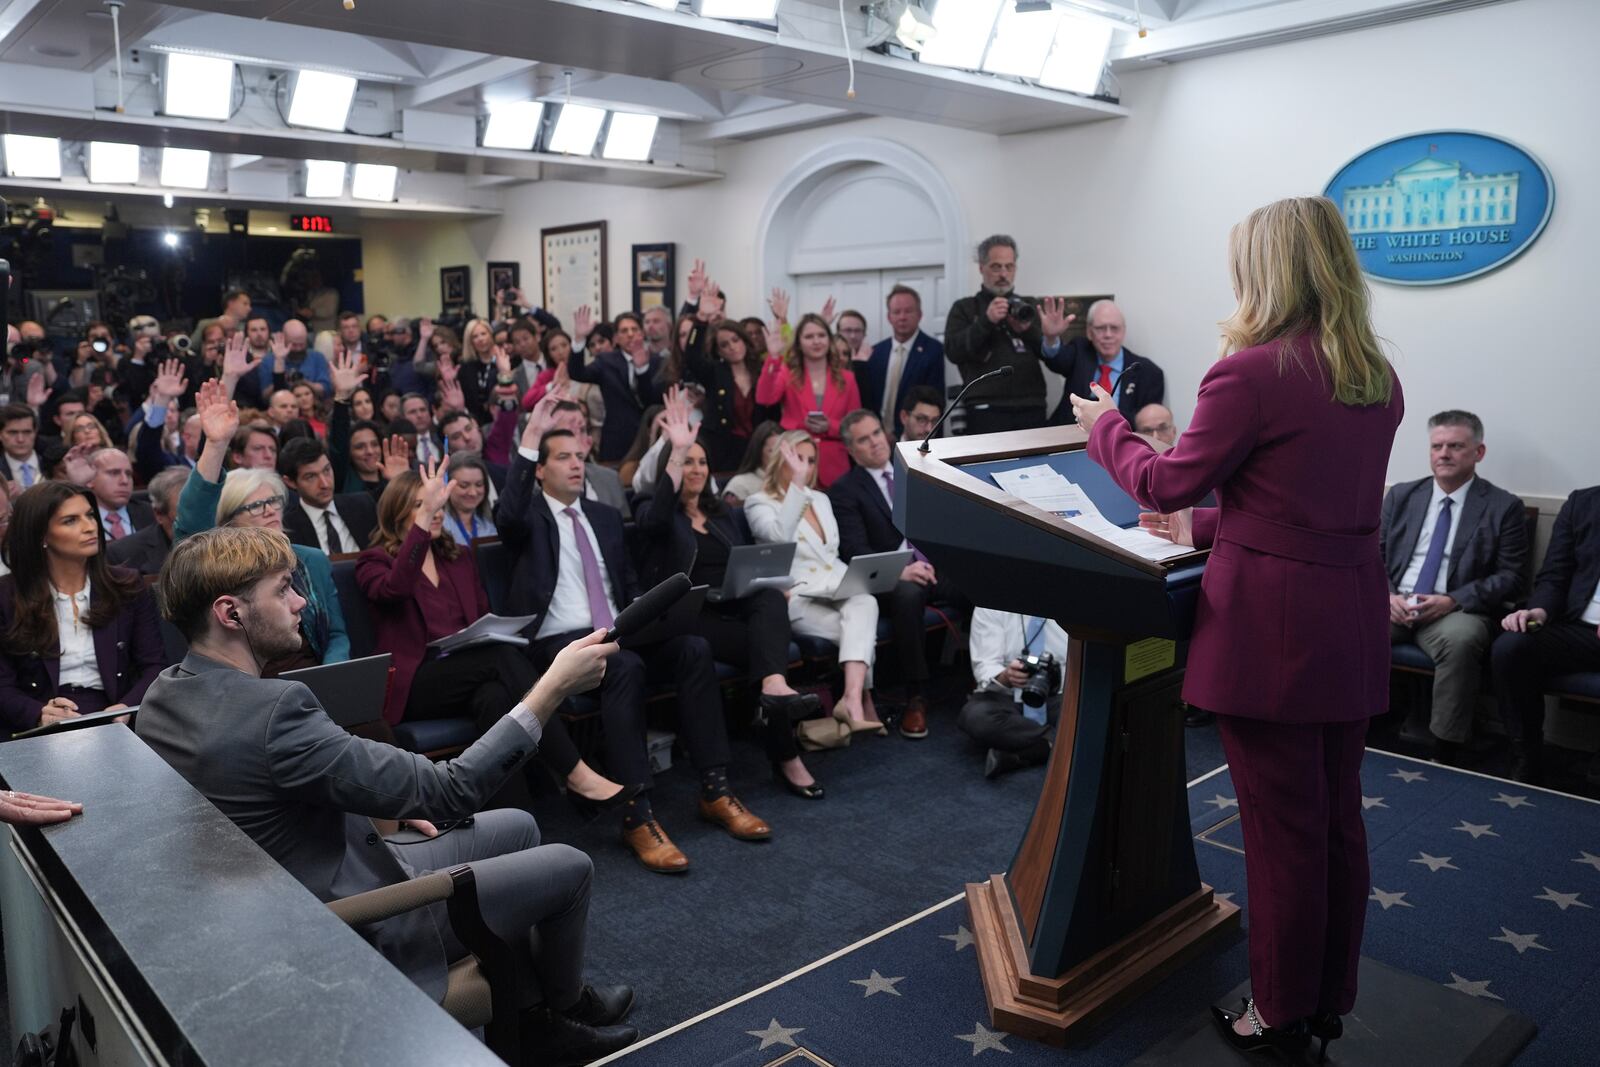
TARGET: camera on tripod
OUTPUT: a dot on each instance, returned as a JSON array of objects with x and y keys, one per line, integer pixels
[{"x": 1044, "y": 677}]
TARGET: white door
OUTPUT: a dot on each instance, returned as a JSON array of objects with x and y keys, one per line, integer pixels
[{"x": 866, "y": 291}]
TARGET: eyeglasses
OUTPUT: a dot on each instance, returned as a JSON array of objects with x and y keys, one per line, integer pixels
[{"x": 259, "y": 507}]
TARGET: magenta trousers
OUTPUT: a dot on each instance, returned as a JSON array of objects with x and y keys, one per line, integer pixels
[{"x": 1299, "y": 789}]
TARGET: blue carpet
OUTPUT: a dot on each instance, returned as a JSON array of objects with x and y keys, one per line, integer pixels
[{"x": 1488, "y": 887}]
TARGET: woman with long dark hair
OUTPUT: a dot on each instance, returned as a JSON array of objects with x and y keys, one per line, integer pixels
[
  {"x": 816, "y": 389},
  {"x": 77, "y": 635},
  {"x": 723, "y": 358}
]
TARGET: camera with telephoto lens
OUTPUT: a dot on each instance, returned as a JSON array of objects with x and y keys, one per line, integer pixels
[
  {"x": 177, "y": 348},
  {"x": 1020, "y": 311},
  {"x": 1044, "y": 678}
]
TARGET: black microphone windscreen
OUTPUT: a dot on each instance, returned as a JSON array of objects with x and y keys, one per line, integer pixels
[{"x": 650, "y": 606}]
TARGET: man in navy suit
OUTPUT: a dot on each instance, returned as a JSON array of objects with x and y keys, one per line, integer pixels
[
  {"x": 627, "y": 380},
  {"x": 1100, "y": 357},
  {"x": 902, "y": 362}
]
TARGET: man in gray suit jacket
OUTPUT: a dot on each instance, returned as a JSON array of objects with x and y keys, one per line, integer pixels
[
  {"x": 1455, "y": 547},
  {"x": 268, "y": 756}
]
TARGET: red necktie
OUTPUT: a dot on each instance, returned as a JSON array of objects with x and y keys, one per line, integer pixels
[
  {"x": 1104, "y": 380},
  {"x": 118, "y": 532}
]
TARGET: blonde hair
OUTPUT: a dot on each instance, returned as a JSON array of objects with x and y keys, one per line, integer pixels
[
  {"x": 1295, "y": 270},
  {"x": 237, "y": 487},
  {"x": 217, "y": 562},
  {"x": 775, "y": 462},
  {"x": 465, "y": 352}
]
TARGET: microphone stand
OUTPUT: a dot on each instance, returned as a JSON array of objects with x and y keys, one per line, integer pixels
[{"x": 998, "y": 372}]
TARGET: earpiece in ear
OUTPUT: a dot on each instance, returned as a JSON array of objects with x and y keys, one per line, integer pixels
[{"x": 234, "y": 615}]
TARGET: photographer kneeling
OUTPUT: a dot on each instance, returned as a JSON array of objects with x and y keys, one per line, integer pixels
[{"x": 1019, "y": 664}]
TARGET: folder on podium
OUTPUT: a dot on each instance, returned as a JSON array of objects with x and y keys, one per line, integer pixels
[{"x": 1103, "y": 897}]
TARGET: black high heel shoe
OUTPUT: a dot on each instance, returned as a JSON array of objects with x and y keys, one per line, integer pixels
[
  {"x": 1290, "y": 1040},
  {"x": 1325, "y": 1028},
  {"x": 804, "y": 792},
  {"x": 590, "y": 810}
]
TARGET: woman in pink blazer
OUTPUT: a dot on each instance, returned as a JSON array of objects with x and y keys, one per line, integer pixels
[
  {"x": 1292, "y": 430},
  {"x": 812, "y": 377}
]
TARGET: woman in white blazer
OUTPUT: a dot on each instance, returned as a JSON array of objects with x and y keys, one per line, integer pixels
[{"x": 790, "y": 508}]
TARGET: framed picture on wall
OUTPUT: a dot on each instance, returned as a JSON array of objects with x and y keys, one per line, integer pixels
[
  {"x": 574, "y": 263},
  {"x": 654, "y": 270},
  {"x": 503, "y": 276},
  {"x": 455, "y": 289}
]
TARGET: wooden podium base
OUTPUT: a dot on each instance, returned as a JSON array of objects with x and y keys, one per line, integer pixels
[{"x": 1052, "y": 1010}]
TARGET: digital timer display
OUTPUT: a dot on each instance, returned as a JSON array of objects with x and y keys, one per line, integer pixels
[{"x": 311, "y": 223}]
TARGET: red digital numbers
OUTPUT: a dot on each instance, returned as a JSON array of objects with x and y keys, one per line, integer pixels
[{"x": 311, "y": 223}]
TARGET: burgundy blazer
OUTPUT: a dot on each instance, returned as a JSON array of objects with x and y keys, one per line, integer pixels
[
  {"x": 777, "y": 385},
  {"x": 1293, "y": 619},
  {"x": 398, "y": 625}
]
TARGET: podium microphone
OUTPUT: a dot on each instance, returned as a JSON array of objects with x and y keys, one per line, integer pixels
[
  {"x": 649, "y": 607},
  {"x": 999, "y": 371}
]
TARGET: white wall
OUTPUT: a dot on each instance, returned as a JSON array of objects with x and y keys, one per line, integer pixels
[{"x": 1142, "y": 206}]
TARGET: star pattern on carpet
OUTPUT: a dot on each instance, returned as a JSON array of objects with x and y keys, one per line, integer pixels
[
  {"x": 1470, "y": 988},
  {"x": 1513, "y": 802},
  {"x": 984, "y": 1040},
  {"x": 776, "y": 1035},
  {"x": 1435, "y": 863},
  {"x": 1223, "y": 803},
  {"x": 877, "y": 983},
  {"x": 1476, "y": 830},
  {"x": 1584, "y": 857},
  {"x": 1562, "y": 900},
  {"x": 1520, "y": 942},
  {"x": 1368, "y": 803},
  {"x": 1389, "y": 900},
  {"x": 962, "y": 937},
  {"x": 1408, "y": 776}
]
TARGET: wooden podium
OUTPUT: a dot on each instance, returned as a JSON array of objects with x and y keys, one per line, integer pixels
[{"x": 1103, "y": 897}]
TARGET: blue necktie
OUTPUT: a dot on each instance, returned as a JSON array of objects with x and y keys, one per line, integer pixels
[
  {"x": 1040, "y": 714},
  {"x": 1435, "y": 557}
]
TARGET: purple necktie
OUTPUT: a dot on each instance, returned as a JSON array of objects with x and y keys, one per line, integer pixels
[
  {"x": 599, "y": 611},
  {"x": 888, "y": 483}
]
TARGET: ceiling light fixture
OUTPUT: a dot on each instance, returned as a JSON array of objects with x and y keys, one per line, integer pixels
[
  {"x": 32, "y": 157},
  {"x": 963, "y": 29},
  {"x": 111, "y": 163},
  {"x": 1078, "y": 58},
  {"x": 577, "y": 127},
  {"x": 324, "y": 178},
  {"x": 664, "y": 5},
  {"x": 374, "y": 181},
  {"x": 197, "y": 87},
  {"x": 185, "y": 168},
  {"x": 737, "y": 10},
  {"x": 898, "y": 23},
  {"x": 1022, "y": 40},
  {"x": 321, "y": 101},
  {"x": 513, "y": 124},
  {"x": 630, "y": 136}
]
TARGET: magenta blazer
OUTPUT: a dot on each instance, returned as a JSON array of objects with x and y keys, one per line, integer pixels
[
  {"x": 1293, "y": 620},
  {"x": 777, "y": 385}
]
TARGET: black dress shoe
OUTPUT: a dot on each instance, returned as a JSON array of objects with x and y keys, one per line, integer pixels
[
  {"x": 550, "y": 1039},
  {"x": 804, "y": 792},
  {"x": 602, "y": 1005},
  {"x": 590, "y": 810},
  {"x": 1325, "y": 1028},
  {"x": 998, "y": 762},
  {"x": 788, "y": 707},
  {"x": 1289, "y": 1040}
]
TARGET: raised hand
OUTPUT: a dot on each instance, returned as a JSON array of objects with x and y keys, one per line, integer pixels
[
  {"x": 799, "y": 473},
  {"x": 451, "y": 396},
  {"x": 280, "y": 352},
  {"x": 345, "y": 370},
  {"x": 424, "y": 330},
  {"x": 170, "y": 383},
  {"x": 582, "y": 323},
  {"x": 432, "y": 494},
  {"x": 79, "y": 468},
  {"x": 560, "y": 383},
  {"x": 38, "y": 391},
  {"x": 679, "y": 431},
  {"x": 540, "y": 419},
  {"x": 502, "y": 362},
  {"x": 396, "y": 457},
  {"x": 776, "y": 347},
  {"x": 1053, "y": 317},
  {"x": 236, "y": 361},
  {"x": 219, "y": 415},
  {"x": 779, "y": 303},
  {"x": 827, "y": 311},
  {"x": 447, "y": 367},
  {"x": 697, "y": 280}
]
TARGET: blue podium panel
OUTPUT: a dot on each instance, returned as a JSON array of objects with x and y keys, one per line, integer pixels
[{"x": 1075, "y": 466}]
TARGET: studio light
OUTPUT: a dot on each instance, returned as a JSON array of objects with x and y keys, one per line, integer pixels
[
  {"x": 166, "y": 199},
  {"x": 32, "y": 157},
  {"x": 111, "y": 163},
  {"x": 1022, "y": 41},
  {"x": 513, "y": 124},
  {"x": 374, "y": 181},
  {"x": 169, "y": 239},
  {"x": 737, "y": 10},
  {"x": 576, "y": 129},
  {"x": 630, "y": 136},
  {"x": 913, "y": 27},
  {"x": 962, "y": 30},
  {"x": 320, "y": 100},
  {"x": 1079, "y": 56},
  {"x": 197, "y": 87},
  {"x": 185, "y": 168},
  {"x": 324, "y": 177}
]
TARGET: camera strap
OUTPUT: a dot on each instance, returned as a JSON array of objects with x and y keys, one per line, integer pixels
[{"x": 1038, "y": 628}]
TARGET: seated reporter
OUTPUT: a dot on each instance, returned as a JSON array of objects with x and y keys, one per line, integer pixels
[
  {"x": 76, "y": 634},
  {"x": 468, "y": 512},
  {"x": 790, "y": 508},
  {"x": 996, "y": 716},
  {"x": 690, "y": 529},
  {"x": 269, "y": 757},
  {"x": 751, "y": 472},
  {"x": 315, "y": 516},
  {"x": 147, "y": 550},
  {"x": 1557, "y": 633},
  {"x": 256, "y": 498}
]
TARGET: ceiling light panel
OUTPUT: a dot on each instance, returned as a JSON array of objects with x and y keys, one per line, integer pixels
[
  {"x": 962, "y": 29},
  {"x": 185, "y": 168},
  {"x": 513, "y": 124},
  {"x": 324, "y": 178},
  {"x": 630, "y": 136},
  {"x": 1078, "y": 58},
  {"x": 321, "y": 101},
  {"x": 374, "y": 181},
  {"x": 664, "y": 5},
  {"x": 111, "y": 163},
  {"x": 197, "y": 87},
  {"x": 576, "y": 129},
  {"x": 742, "y": 10},
  {"x": 1021, "y": 42},
  {"x": 32, "y": 157}
]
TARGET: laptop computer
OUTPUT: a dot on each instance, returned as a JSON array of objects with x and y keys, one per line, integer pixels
[
  {"x": 351, "y": 692},
  {"x": 679, "y": 619},
  {"x": 752, "y": 567},
  {"x": 874, "y": 573}
]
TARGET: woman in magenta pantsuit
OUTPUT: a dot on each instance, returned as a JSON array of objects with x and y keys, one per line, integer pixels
[{"x": 1292, "y": 430}]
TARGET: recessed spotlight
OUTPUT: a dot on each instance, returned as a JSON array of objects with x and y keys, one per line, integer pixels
[
  {"x": 32, "y": 157},
  {"x": 373, "y": 181},
  {"x": 321, "y": 100},
  {"x": 197, "y": 87}
]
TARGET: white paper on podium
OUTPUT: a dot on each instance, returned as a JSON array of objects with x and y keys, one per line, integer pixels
[
  {"x": 491, "y": 628},
  {"x": 1048, "y": 490}
]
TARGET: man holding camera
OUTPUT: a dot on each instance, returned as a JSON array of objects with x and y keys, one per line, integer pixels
[
  {"x": 995, "y": 329},
  {"x": 1018, "y": 662}
]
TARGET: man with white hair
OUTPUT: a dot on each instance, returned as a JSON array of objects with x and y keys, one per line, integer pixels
[{"x": 1100, "y": 357}]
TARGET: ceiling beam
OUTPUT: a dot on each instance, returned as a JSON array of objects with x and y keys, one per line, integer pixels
[
  {"x": 470, "y": 76},
  {"x": 762, "y": 123}
]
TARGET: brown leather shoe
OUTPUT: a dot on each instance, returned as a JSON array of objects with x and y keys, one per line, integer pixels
[
  {"x": 730, "y": 814},
  {"x": 914, "y": 723},
  {"x": 655, "y": 849}
]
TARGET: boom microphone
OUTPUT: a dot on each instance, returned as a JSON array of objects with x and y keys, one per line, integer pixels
[
  {"x": 649, "y": 607},
  {"x": 1001, "y": 371}
]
